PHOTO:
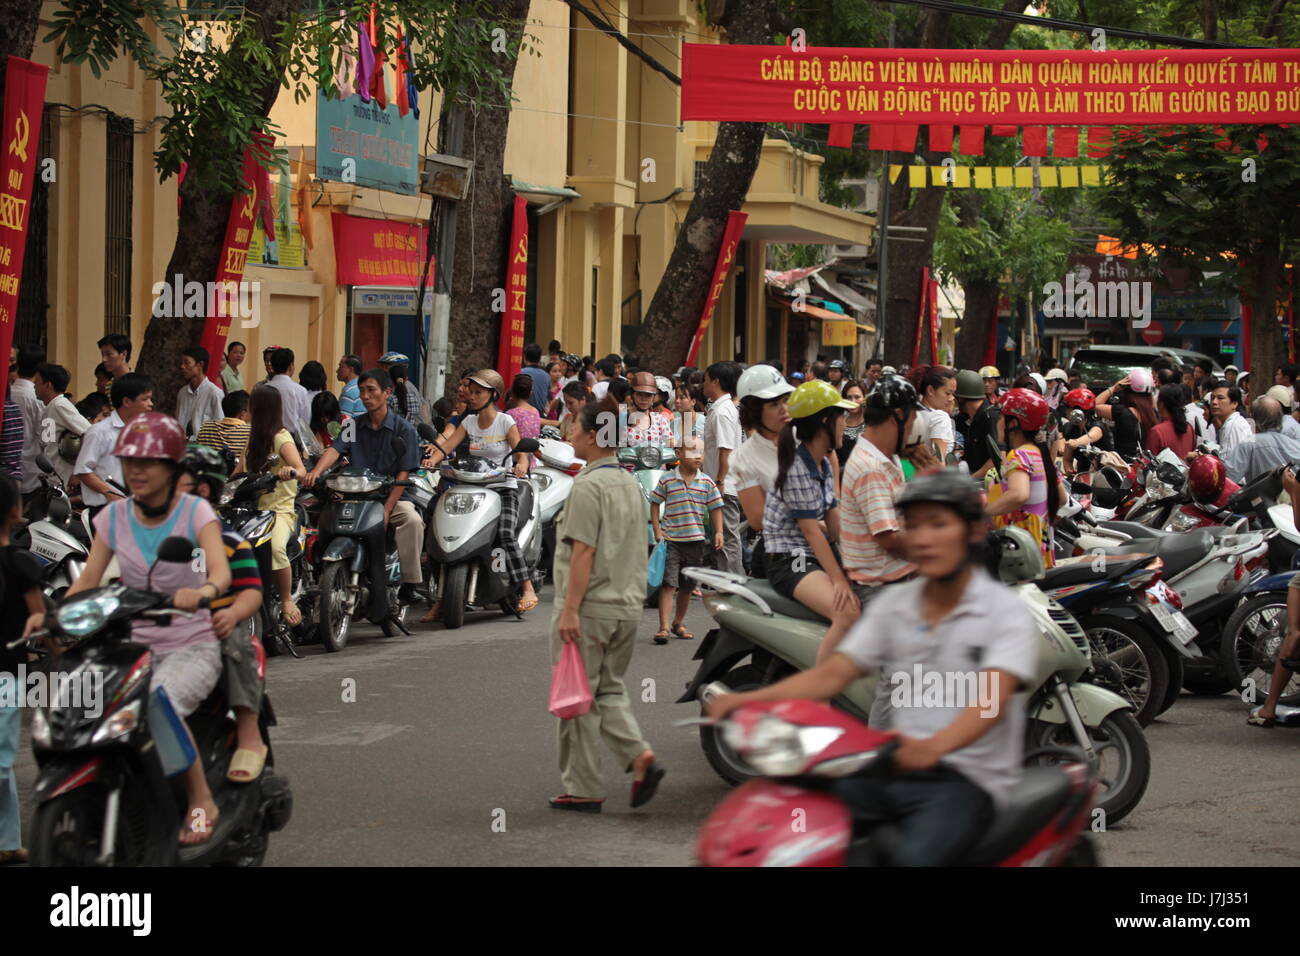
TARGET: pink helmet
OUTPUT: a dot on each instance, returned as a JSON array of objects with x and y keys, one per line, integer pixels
[
  {"x": 151, "y": 435},
  {"x": 1140, "y": 380}
]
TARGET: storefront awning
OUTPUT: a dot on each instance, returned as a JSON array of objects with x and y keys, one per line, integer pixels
[
  {"x": 854, "y": 300},
  {"x": 542, "y": 193}
]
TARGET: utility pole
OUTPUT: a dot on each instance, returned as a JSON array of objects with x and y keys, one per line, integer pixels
[
  {"x": 444, "y": 213},
  {"x": 882, "y": 240}
]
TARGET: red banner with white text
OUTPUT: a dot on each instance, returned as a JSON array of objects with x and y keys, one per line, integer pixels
[
  {"x": 979, "y": 87},
  {"x": 19, "y": 139},
  {"x": 510, "y": 347},
  {"x": 234, "y": 257},
  {"x": 726, "y": 256}
]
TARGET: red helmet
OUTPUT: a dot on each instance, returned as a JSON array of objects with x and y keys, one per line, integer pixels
[
  {"x": 1027, "y": 407},
  {"x": 1205, "y": 478},
  {"x": 151, "y": 435},
  {"x": 1081, "y": 398}
]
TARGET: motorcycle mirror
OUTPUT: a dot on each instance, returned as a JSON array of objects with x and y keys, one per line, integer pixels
[
  {"x": 44, "y": 465},
  {"x": 426, "y": 431},
  {"x": 176, "y": 550},
  {"x": 527, "y": 446}
]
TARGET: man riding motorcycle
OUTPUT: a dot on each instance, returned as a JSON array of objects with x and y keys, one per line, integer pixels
[
  {"x": 369, "y": 444},
  {"x": 959, "y": 758}
]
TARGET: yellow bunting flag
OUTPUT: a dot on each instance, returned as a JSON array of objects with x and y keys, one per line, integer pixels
[{"x": 987, "y": 177}]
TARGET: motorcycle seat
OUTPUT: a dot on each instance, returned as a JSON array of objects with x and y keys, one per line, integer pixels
[
  {"x": 781, "y": 604},
  {"x": 1083, "y": 572},
  {"x": 1178, "y": 551},
  {"x": 1041, "y": 794}
]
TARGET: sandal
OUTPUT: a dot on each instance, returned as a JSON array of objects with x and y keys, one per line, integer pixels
[
  {"x": 566, "y": 801},
  {"x": 1255, "y": 720},
  {"x": 246, "y": 765},
  {"x": 644, "y": 790},
  {"x": 661, "y": 637},
  {"x": 290, "y": 614},
  {"x": 680, "y": 632},
  {"x": 431, "y": 615},
  {"x": 526, "y": 604},
  {"x": 8, "y": 857}
]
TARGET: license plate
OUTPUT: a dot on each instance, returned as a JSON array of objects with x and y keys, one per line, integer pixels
[{"x": 1174, "y": 621}]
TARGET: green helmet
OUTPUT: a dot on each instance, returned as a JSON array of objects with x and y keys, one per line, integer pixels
[
  {"x": 1018, "y": 556},
  {"x": 969, "y": 384},
  {"x": 816, "y": 396},
  {"x": 205, "y": 463}
]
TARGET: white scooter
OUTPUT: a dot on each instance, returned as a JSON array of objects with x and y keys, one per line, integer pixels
[
  {"x": 472, "y": 572},
  {"x": 553, "y": 480}
]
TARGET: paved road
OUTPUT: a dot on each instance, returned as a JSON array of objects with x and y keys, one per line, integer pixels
[{"x": 447, "y": 756}]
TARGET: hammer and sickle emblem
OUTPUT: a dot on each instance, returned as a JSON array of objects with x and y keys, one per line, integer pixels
[
  {"x": 22, "y": 132},
  {"x": 249, "y": 206}
]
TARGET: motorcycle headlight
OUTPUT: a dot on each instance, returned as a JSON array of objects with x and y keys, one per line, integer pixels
[
  {"x": 40, "y": 727},
  {"x": 354, "y": 484},
  {"x": 119, "y": 725},
  {"x": 778, "y": 748},
  {"x": 256, "y": 529},
  {"x": 87, "y": 615},
  {"x": 228, "y": 492},
  {"x": 461, "y": 503},
  {"x": 648, "y": 456}
]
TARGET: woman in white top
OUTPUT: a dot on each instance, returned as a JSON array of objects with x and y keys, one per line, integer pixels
[
  {"x": 492, "y": 435},
  {"x": 937, "y": 386},
  {"x": 763, "y": 393}
]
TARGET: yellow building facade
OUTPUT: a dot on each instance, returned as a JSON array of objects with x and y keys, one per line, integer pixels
[{"x": 595, "y": 144}]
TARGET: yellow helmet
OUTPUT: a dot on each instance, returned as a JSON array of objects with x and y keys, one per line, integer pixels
[
  {"x": 990, "y": 371},
  {"x": 816, "y": 396}
]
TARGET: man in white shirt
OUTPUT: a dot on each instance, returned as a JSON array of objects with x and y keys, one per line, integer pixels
[
  {"x": 1229, "y": 428},
  {"x": 132, "y": 394},
  {"x": 27, "y": 359},
  {"x": 297, "y": 408},
  {"x": 606, "y": 372},
  {"x": 199, "y": 399},
  {"x": 1282, "y": 395},
  {"x": 61, "y": 417},
  {"x": 722, "y": 436}
]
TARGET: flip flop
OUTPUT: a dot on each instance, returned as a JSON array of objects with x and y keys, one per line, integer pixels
[
  {"x": 1254, "y": 720},
  {"x": 525, "y": 605},
  {"x": 431, "y": 615},
  {"x": 661, "y": 637},
  {"x": 291, "y": 617},
  {"x": 644, "y": 790},
  {"x": 246, "y": 762},
  {"x": 567, "y": 801},
  {"x": 680, "y": 632},
  {"x": 205, "y": 833}
]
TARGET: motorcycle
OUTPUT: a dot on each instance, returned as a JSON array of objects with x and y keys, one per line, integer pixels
[
  {"x": 762, "y": 637},
  {"x": 465, "y": 535},
  {"x": 803, "y": 747},
  {"x": 239, "y": 508},
  {"x": 361, "y": 572},
  {"x": 61, "y": 540},
  {"x": 648, "y": 463},
  {"x": 1252, "y": 638},
  {"x": 109, "y": 792},
  {"x": 553, "y": 479}
]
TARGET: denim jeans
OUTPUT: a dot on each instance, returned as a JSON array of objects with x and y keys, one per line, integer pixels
[
  {"x": 937, "y": 815},
  {"x": 11, "y": 725}
]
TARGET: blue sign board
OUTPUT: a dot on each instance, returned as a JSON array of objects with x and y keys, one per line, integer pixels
[{"x": 360, "y": 143}]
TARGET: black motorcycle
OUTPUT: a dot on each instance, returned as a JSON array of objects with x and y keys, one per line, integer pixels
[
  {"x": 361, "y": 572},
  {"x": 110, "y": 790}
]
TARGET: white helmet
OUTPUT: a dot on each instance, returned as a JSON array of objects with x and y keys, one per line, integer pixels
[
  {"x": 1042, "y": 382},
  {"x": 664, "y": 385},
  {"x": 1057, "y": 375},
  {"x": 762, "y": 381},
  {"x": 1140, "y": 380}
]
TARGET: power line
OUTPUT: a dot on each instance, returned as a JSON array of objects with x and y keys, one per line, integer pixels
[{"x": 608, "y": 28}]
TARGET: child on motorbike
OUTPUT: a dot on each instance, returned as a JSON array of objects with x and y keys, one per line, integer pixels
[
  {"x": 186, "y": 653},
  {"x": 204, "y": 473},
  {"x": 1028, "y": 494},
  {"x": 958, "y": 759}
]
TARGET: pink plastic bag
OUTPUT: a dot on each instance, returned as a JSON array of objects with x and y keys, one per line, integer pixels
[{"x": 570, "y": 692}]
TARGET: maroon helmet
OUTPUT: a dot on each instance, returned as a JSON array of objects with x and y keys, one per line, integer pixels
[
  {"x": 1081, "y": 398},
  {"x": 151, "y": 435},
  {"x": 1205, "y": 478}
]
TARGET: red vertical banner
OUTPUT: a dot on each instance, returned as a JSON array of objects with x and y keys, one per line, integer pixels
[
  {"x": 726, "y": 256},
  {"x": 934, "y": 321},
  {"x": 234, "y": 256},
  {"x": 19, "y": 142},
  {"x": 921, "y": 316},
  {"x": 510, "y": 348}
]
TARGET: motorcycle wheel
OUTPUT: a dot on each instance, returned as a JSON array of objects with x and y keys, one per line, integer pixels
[
  {"x": 1134, "y": 651},
  {"x": 67, "y": 830},
  {"x": 388, "y": 627},
  {"x": 1176, "y": 676},
  {"x": 1123, "y": 758},
  {"x": 1251, "y": 640},
  {"x": 726, "y": 763},
  {"x": 454, "y": 583},
  {"x": 1206, "y": 682},
  {"x": 263, "y": 631},
  {"x": 1083, "y": 853},
  {"x": 334, "y": 621}
]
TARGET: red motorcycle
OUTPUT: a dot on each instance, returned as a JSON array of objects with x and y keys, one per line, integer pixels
[{"x": 794, "y": 819}]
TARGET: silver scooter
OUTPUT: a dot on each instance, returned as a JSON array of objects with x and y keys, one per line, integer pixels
[
  {"x": 61, "y": 540},
  {"x": 553, "y": 480},
  {"x": 472, "y": 572}
]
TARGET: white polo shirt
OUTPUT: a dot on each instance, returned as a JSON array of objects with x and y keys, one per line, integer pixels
[
  {"x": 722, "y": 430},
  {"x": 97, "y": 456}
]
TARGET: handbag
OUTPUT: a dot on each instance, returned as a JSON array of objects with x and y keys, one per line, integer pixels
[
  {"x": 570, "y": 691},
  {"x": 655, "y": 566}
]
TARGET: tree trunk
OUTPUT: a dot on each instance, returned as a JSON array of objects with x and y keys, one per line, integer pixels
[
  {"x": 19, "y": 20},
  {"x": 674, "y": 312},
  {"x": 201, "y": 229},
  {"x": 483, "y": 228},
  {"x": 1267, "y": 350},
  {"x": 977, "y": 321}
]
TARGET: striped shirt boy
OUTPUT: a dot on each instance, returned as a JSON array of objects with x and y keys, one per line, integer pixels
[
  {"x": 871, "y": 484},
  {"x": 685, "y": 504},
  {"x": 243, "y": 567}
]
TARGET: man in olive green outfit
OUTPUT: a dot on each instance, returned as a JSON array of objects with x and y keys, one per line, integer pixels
[{"x": 600, "y": 587}]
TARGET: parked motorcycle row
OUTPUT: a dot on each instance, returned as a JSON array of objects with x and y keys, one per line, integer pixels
[{"x": 1153, "y": 593}]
